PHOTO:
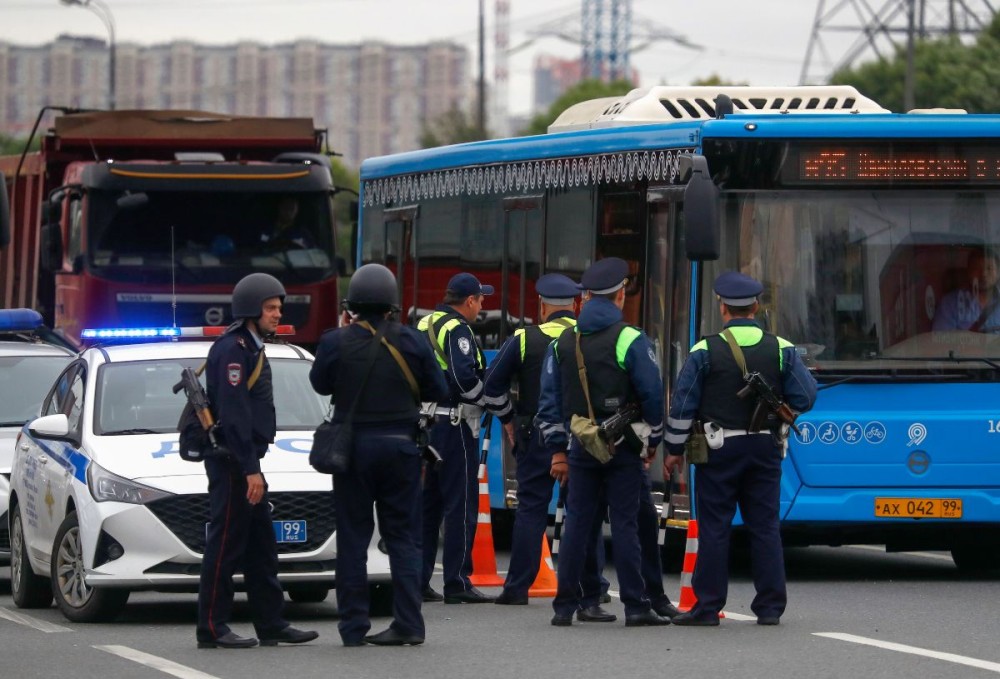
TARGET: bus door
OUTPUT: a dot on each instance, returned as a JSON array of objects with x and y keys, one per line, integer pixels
[
  {"x": 519, "y": 269},
  {"x": 400, "y": 231},
  {"x": 667, "y": 299}
]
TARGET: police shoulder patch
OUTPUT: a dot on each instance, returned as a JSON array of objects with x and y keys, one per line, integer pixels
[
  {"x": 652, "y": 356},
  {"x": 234, "y": 373},
  {"x": 464, "y": 345}
]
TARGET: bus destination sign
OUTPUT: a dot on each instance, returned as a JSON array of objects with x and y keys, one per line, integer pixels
[{"x": 892, "y": 164}]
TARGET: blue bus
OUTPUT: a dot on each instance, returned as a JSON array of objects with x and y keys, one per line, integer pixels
[{"x": 875, "y": 235}]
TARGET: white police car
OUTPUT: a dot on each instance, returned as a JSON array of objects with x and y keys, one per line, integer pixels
[
  {"x": 102, "y": 503},
  {"x": 30, "y": 358}
]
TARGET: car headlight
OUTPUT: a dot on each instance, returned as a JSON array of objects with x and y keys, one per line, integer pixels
[{"x": 108, "y": 487}]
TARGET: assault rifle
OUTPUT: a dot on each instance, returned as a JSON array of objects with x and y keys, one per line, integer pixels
[
  {"x": 767, "y": 403},
  {"x": 198, "y": 401},
  {"x": 618, "y": 425}
]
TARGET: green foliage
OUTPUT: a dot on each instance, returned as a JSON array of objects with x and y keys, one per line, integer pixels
[
  {"x": 11, "y": 146},
  {"x": 582, "y": 91},
  {"x": 947, "y": 74},
  {"x": 452, "y": 127},
  {"x": 714, "y": 80},
  {"x": 348, "y": 181}
]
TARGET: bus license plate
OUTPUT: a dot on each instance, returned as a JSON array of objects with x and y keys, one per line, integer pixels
[
  {"x": 290, "y": 531},
  {"x": 917, "y": 508}
]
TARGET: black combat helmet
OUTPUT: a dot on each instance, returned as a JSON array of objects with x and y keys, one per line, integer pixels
[
  {"x": 372, "y": 288},
  {"x": 251, "y": 292}
]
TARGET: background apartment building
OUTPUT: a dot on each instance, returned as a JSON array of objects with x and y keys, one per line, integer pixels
[{"x": 373, "y": 98}]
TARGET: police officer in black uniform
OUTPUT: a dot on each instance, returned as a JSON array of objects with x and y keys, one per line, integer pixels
[
  {"x": 451, "y": 494},
  {"x": 519, "y": 361},
  {"x": 746, "y": 469},
  {"x": 621, "y": 369},
  {"x": 385, "y": 464},
  {"x": 240, "y": 531}
]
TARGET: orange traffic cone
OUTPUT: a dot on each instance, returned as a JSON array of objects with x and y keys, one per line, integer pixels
[
  {"x": 484, "y": 557},
  {"x": 545, "y": 581},
  {"x": 688, "y": 599}
]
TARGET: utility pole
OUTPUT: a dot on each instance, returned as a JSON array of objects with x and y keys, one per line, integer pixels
[{"x": 481, "y": 103}]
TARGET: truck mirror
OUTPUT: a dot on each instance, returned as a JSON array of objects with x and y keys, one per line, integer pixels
[
  {"x": 50, "y": 254},
  {"x": 341, "y": 265},
  {"x": 701, "y": 210},
  {"x": 52, "y": 208},
  {"x": 4, "y": 214}
]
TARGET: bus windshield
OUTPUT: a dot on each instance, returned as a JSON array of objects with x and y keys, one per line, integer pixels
[
  {"x": 207, "y": 237},
  {"x": 871, "y": 281}
]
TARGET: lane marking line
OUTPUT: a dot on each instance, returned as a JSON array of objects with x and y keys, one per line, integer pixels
[
  {"x": 914, "y": 650},
  {"x": 28, "y": 621},
  {"x": 156, "y": 662},
  {"x": 881, "y": 550}
]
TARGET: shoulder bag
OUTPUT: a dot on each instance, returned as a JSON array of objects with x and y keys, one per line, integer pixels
[{"x": 586, "y": 429}]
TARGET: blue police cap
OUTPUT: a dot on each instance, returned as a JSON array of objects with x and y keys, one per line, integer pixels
[
  {"x": 605, "y": 275},
  {"x": 556, "y": 289},
  {"x": 465, "y": 284},
  {"x": 737, "y": 289}
]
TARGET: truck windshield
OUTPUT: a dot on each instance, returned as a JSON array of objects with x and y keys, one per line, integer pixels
[
  {"x": 871, "y": 281},
  {"x": 210, "y": 237}
]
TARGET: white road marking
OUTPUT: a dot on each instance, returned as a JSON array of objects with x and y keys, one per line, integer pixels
[
  {"x": 156, "y": 662},
  {"x": 28, "y": 621},
  {"x": 914, "y": 650},
  {"x": 925, "y": 555}
]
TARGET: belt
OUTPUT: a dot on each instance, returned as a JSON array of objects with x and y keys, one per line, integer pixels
[{"x": 726, "y": 433}]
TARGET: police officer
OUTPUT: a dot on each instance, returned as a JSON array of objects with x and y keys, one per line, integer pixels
[
  {"x": 451, "y": 493},
  {"x": 385, "y": 466},
  {"x": 746, "y": 469},
  {"x": 519, "y": 362},
  {"x": 240, "y": 531},
  {"x": 620, "y": 368}
]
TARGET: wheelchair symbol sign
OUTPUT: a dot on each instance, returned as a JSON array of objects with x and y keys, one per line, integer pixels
[{"x": 829, "y": 432}]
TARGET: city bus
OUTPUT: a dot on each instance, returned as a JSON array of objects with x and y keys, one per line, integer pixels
[{"x": 874, "y": 233}]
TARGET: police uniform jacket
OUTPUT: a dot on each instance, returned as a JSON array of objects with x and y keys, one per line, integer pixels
[
  {"x": 459, "y": 357},
  {"x": 342, "y": 360},
  {"x": 520, "y": 358},
  {"x": 708, "y": 382},
  {"x": 622, "y": 354},
  {"x": 246, "y": 416}
]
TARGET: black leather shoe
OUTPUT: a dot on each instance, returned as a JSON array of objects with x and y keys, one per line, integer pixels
[
  {"x": 647, "y": 619},
  {"x": 560, "y": 620},
  {"x": 689, "y": 620},
  {"x": 508, "y": 598},
  {"x": 289, "y": 635},
  {"x": 228, "y": 640},
  {"x": 432, "y": 596},
  {"x": 353, "y": 643},
  {"x": 392, "y": 637},
  {"x": 666, "y": 610},
  {"x": 605, "y": 598},
  {"x": 469, "y": 596},
  {"x": 595, "y": 614},
  {"x": 768, "y": 620}
]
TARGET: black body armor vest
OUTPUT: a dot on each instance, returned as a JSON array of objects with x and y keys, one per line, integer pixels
[
  {"x": 719, "y": 402},
  {"x": 610, "y": 386},
  {"x": 387, "y": 396}
]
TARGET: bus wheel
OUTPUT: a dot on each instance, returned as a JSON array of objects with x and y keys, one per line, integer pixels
[{"x": 976, "y": 558}]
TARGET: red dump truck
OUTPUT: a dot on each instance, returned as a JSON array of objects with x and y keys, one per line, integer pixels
[{"x": 148, "y": 218}]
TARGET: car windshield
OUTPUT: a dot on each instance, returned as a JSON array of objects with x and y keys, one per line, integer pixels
[
  {"x": 24, "y": 381},
  {"x": 137, "y": 396}
]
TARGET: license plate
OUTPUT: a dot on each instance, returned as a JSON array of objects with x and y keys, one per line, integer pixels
[
  {"x": 290, "y": 531},
  {"x": 917, "y": 508}
]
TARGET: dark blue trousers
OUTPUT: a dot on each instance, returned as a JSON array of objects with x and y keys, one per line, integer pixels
[
  {"x": 452, "y": 495},
  {"x": 746, "y": 471},
  {"x": 621, "y": 482},
  {"x": 385, "y": 472},
  {"x": 240, "y": 537},
  {"x": 534, "y": 493}
]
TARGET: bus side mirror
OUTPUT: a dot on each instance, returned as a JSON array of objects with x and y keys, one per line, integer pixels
[
  {"x": 701, "y": 209},
  {"x": 4, "y": 213}
]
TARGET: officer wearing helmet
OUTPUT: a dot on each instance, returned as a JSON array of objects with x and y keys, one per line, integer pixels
[
  {"x": 240, "y": 532},
  {"x": 384, "y": 370}
]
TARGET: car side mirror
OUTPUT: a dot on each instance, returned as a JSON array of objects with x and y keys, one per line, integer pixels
[{"x": 54, "y": 427}]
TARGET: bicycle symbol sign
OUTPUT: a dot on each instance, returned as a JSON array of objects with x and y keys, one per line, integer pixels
[{"x": 875, "y": 432}]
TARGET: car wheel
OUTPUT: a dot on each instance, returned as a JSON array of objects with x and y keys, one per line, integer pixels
[
  {"x": 976, "y": 558},
  {"x": 77, "y": 601},
  {"x": 27, "y": 589},
  {"x": 308, "y": 594}
]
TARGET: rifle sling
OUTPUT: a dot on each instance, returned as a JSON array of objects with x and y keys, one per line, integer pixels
[
  {"x": 407, "y": 373},
  {"x": 582, "y": 369},
  {"x": 254, "y": 376},
  {"x": 741, "y": 360}
]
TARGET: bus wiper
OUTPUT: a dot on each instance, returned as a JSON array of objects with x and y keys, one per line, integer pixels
[{"x": 126, "y": 432}]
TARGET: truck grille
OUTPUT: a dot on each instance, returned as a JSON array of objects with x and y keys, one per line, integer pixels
[{"x": 187, "y": 515}]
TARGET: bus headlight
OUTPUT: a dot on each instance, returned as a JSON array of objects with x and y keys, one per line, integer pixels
[{"x": 108, "y": 487}]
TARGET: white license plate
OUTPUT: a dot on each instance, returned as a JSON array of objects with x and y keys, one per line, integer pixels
[{"x": 290, "y": 531}]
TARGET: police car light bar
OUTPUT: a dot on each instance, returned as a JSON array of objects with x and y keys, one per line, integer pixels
[
  {"x": 19, "y": 320},
  {"x": 163, "y": 333},
  {"x": 218, "y": 330}
]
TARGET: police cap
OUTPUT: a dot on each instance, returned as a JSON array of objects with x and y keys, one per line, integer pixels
[
  {"x": 737, "y": 289},
  {"x": 556, "y": 289},
  {"x": 465, "y": 284},
  {"x": 605, "y": 276}
]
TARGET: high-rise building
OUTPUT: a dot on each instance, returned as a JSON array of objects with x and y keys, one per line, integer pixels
[
  {"x": 374, "y": 98},
  {"x": 553, "y": 76}
]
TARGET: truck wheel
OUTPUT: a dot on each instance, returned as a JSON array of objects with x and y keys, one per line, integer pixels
[
  {"x": 976, "y": 558},
  {"x": 77, "y": 601},
  {"x": 27, "y": 589},
  {"x": 308, "y": 594}
]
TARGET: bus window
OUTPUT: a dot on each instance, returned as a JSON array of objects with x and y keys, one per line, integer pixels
[
  {"x": 373, "y": 236},
  {"x": 569, "y": 230},
  {"x": 621, "y": 233}
]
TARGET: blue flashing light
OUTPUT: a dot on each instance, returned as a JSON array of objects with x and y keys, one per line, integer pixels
[
  {"x": 19, "y": 320},
  {"x": 129, "y": 333}
]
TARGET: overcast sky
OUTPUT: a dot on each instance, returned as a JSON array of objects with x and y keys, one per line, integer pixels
[{"x": 762, "y": 42}]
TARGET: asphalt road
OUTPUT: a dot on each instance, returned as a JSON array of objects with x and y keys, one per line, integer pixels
[{"x": 853, "y": 612}]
